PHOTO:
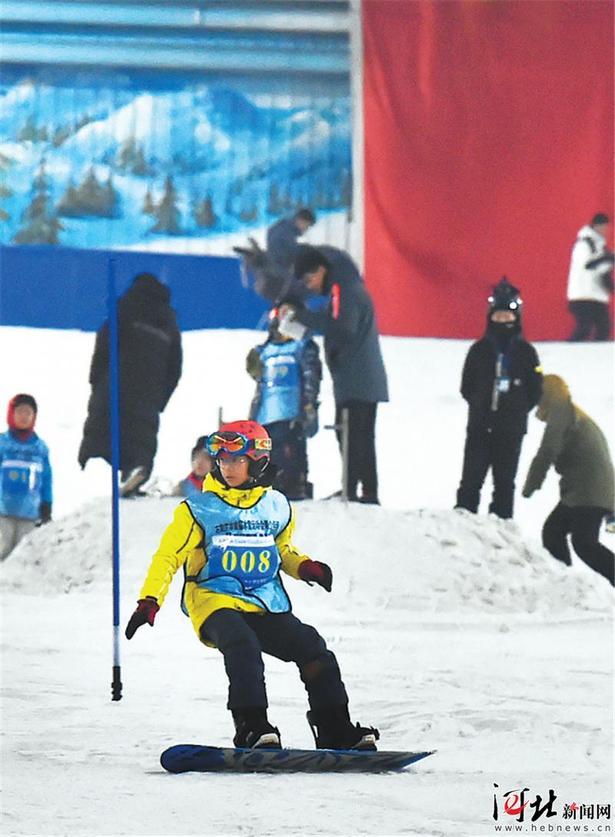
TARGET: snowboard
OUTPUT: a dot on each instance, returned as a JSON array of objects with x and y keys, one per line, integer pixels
[{"x": 183, "y": 758}]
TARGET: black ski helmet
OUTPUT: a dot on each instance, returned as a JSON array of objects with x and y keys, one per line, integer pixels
[{"x": 505, "y": 297}]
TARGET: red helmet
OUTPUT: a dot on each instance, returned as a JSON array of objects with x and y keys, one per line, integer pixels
[{"x": 242, "y": 438}]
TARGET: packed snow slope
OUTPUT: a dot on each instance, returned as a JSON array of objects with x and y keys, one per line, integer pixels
[{"x": 454, "y": 632}]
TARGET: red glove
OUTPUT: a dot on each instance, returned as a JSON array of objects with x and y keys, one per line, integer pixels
[
  {"x": 146, "y": 612},
  {"x": 316, "y": 571}
]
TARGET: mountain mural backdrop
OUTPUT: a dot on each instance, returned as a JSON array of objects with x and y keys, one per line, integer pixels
[{"x": 104, "y": 166}]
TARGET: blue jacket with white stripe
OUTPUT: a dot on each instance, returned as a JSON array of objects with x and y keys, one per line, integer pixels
[{"x": 25, "y": 476}]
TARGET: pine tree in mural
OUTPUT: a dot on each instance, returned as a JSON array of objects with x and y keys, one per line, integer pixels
[
  {"x": 288, "y": 202},
  {"x": 30, "y": 132},
  {"x": 90, "y": 195},
  {"x": 41, "y": 225},
  {"x": 149, "y": 207},
  {"x": 90, "y": 199},
  {"x": 5, "y": 190},
  {"x": 167, "y": 214},
  {"x": 110, "y": 198},
  {"x": 60, "y": 135},
  {"x": 68, "y": 205},
  {"x": 130, "y": 158},
  {"x": 275, "y": 201},
  {"x": 248, "y": 214},
  {"x": 204, "y": 214}
]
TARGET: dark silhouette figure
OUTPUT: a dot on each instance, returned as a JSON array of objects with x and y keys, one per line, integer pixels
[{"x": 150, "y": 360}]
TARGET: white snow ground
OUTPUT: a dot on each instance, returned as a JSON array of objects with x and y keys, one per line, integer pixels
[{"x": 454, "y": 632}]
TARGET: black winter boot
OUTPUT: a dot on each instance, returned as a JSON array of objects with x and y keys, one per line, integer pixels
[
  {"x": 333, "y": 730},
  {"x": 253, "y": 730}
]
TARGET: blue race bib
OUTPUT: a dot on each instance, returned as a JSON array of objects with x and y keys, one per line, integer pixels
[
  {"x": 19, "y": 477},
  {"x": 253, "y": 560}
]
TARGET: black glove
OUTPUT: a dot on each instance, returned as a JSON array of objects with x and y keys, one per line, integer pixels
[
  {"x": 146, "y": 612},
  {"x": 310, "y": 420},
  {"x": 316, "y": 571},
  {"x": 254, "y": 365},
  {"x": 44, "y": 514}
]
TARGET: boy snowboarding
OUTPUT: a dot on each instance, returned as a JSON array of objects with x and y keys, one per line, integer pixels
[{"x": 232, "y": 541}]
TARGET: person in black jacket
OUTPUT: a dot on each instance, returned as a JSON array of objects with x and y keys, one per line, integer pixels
[
  {"x": 502, "y": 382},
  {"x": 352, "y": 353},
  {"x": 150, "y": 362}
]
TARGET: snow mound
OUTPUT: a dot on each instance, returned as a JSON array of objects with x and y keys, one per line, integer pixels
[
  {"x": 66, "y": 554},
  {"x": 443, "y": 562},
  {"x": 413, "y": 562}
]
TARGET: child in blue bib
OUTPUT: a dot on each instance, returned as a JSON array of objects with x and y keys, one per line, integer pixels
[
  {"x": 25, "y": 475},
  {"x": 233, "y": 540}
]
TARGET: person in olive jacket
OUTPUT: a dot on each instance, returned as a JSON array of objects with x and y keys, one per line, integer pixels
[
  {"x": 352, "y": 354},
  {"x": 576, "y": 447},
  {"x": 501, "y": 382},
  {"x": 150, "y": 363}
]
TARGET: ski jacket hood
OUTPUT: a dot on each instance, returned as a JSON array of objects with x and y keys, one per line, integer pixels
[
  {"x": 15, "y": 401},
  {"x": 555, "y": 393}
]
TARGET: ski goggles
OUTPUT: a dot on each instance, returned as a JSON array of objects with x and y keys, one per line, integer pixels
[{"x": 236, "y": 444}]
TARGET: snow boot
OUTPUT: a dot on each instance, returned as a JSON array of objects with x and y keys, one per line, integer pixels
[
  {"x": 253, "y": 731},
  {"x": 130, "y": 482},
  {"x": 333, "y": 730}
]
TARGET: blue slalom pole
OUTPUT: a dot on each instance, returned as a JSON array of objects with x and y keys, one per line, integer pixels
[{"x": 114, "y": 416}]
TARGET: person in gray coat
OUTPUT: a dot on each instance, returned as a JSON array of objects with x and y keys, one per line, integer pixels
[
  {"x": 576, "y": 446},
  {"x": 352, "y": 353}
]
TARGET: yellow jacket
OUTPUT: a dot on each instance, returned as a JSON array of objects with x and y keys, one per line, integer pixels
[{"x": 182, "y": 543}]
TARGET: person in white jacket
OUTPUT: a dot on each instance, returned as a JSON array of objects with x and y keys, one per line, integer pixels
[{"x": 590, "y": 281}]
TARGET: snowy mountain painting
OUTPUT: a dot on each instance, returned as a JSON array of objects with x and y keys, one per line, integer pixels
[{"x": 116, "y": 167}]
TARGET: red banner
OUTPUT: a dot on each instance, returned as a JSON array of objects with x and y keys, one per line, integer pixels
[{"x": 488, "y": 144}]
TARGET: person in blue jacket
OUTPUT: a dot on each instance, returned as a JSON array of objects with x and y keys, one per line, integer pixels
[
  {"x": 25, "y": 475},
  {"x": 288, "y": 372},
  {"x": 202, "y": 464}
]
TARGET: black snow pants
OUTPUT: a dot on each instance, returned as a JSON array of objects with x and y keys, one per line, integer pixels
[
  {"x": 289, "y": 455},
  {"x": 490, "y": 448},
  {"x": 361, "y": 447},
  {"x": 583, "y": 524},
  {"x": 243, "y": 637},
  {"x": 590, "y": 316}
]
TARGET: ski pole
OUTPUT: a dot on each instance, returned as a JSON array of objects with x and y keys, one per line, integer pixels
[
  {"x": 114, "y": 415},
  {"x": 345, "y": 440},
  {"x": 343, "y": 430}
]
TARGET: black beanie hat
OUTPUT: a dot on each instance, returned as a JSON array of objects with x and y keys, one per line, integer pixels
[{"x": 599, "y": 218}]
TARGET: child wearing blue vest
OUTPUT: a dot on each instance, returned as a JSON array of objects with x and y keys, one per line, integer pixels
[
  {"x": 202, "y": 464},
  {"x": 25, "y": 475},
  {"x": 232, "y": 541},
  {"x": 288, "y": 372}
]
